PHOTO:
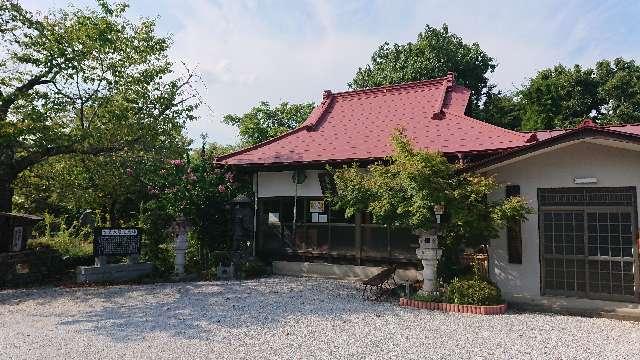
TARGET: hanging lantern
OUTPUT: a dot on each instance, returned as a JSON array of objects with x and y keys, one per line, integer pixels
[{"x": 438, "y": 210}]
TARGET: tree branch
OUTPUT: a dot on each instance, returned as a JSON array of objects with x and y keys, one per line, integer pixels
[
  {"x": 8, "y": 100},
  {"x": 35, "y": 157}
]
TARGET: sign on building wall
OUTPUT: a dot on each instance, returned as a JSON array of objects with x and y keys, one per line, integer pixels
[
  {"x": 316, "y": 206},
  {"x": 17, "y": 238},
  {"x": 116, "y": 242}
]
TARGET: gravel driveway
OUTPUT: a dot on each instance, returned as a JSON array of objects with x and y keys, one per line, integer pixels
[{"x": 282, "y": 318}]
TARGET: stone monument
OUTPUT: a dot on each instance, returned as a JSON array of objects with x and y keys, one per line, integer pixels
[{"x": 109, "y": 242}]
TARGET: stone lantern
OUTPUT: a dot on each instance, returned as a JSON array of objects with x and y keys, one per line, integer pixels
[
  {"x": 429, "y": 253},
  {"x": 180, "y": 229}
]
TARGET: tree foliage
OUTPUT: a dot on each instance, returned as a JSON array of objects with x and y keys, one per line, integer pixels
[
  {"x": 561, "y": 97},
  {"x": 435, "y": 53},
  {"x": 502, "y": 109},
  {"x": 84, "y": 81},
  {"x": 405, "y": 191},
  {"x": 263, "y": 122}
]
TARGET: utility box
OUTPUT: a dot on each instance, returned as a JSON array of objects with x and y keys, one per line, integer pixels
[{"x": 15, "y": 231}]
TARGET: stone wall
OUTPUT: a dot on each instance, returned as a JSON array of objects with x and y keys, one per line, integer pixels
[{"x": 30, "y": 267}]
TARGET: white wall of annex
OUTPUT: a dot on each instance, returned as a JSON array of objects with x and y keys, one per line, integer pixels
[{"x": 613, "y": 167}]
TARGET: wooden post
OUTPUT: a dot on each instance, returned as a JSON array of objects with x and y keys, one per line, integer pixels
[{"x": 358, "y": 244}]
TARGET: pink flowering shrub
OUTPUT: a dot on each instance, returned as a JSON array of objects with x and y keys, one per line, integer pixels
[
  {"x": 197, "y": 188},
  {"x": 176, "y": 162},
  {"x": 188, "y": 185}
]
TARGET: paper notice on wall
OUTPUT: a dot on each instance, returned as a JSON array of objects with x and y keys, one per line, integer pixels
[
  {"x": 17, "y": 238},
  {"x": 274, "y": 218},
  {"x": 314, "y": 217},
  {"x": 22, "y": 268},
  {"x": 322, "y": 218}
]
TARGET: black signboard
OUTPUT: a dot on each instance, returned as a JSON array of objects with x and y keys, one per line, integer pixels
[{"x": 116, "y": 242}]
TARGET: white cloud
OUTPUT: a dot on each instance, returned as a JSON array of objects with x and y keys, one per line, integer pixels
[{"x": 245, "y": 61}]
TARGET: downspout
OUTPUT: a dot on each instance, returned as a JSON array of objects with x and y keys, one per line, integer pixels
[
  {"x": 295, "y": 205},
  {"x": 255, "y": 217}
]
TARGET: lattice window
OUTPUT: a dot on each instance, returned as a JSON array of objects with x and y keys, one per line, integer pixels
[{"x": 587, "y": 197}]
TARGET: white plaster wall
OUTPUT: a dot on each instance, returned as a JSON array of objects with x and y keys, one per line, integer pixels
[
  {"x": 280, "y": 184},
  {"x": 612, "y": 166}
]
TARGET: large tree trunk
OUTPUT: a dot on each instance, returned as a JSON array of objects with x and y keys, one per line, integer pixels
[
  {"x": 8, "y": 174},
  {"x": 6, "y": 195}
]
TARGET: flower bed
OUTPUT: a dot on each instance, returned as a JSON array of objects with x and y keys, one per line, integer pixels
[{"x": 468, "y": 309}]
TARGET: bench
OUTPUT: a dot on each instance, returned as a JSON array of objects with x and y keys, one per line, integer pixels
[{"x": 379, "y": 285}]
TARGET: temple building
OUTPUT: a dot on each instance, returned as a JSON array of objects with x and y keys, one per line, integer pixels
[{"x": 581, "y": 241}]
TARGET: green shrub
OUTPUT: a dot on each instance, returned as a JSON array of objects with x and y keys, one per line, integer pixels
[
  {"x": 71, "y": 262},
  {"x": 193, "y": 260},
  {"x": 72, "y": 241},
  {"x": 157, "y": 244},
  {"x": 434, "y": 297},
  {"x": 162, "y": 257},
  {"x": 40, "y": 243},
  {"x": 208, "y": 275},
  {"x": 252, "y": 269},
  {"x": 474, "y": 291}
]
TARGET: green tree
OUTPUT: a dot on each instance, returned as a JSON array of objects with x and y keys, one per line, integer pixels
[
  {"x": 561, "y": 97},
  {"x": 86, "y": 82},
  {"x": 263, "y": 122},
  {"x": 111, "y": 183},
  {"x": 435, "y": 53},
  {"x": 405, "y": 191},
  {"x": 501, "y": 109},
  {"x": 620, "y": 89},
  {"x": 72, "y": 184}
]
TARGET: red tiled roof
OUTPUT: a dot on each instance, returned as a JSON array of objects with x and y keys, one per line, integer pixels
[
  {"x": 625, "y": 128},
  {"x": 629, "y": 133},
  {"x": 357, "y": 125},
  {"x": 545, "y": 134}
]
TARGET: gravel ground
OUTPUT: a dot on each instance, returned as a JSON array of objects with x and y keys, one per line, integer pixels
[{"x": 282, "y": 318}]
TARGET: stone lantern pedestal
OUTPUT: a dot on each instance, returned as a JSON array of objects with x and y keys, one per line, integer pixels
[
  {"x": 180, "y": 229},
  {"x": 428, "y": 253}
]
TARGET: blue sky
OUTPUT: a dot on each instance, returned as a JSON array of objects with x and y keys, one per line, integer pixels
[{"x": 290, "y": 50}]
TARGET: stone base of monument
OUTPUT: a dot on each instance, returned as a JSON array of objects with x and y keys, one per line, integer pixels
[{"x": 112, "y": 272}]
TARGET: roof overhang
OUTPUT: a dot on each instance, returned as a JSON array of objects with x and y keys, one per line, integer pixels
[
  {"x": 321, "y": 164},
  {"x": 592, "y": 134},
  {"x": 21, "y": 216},
  {"x": 296, "y": 165}
]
